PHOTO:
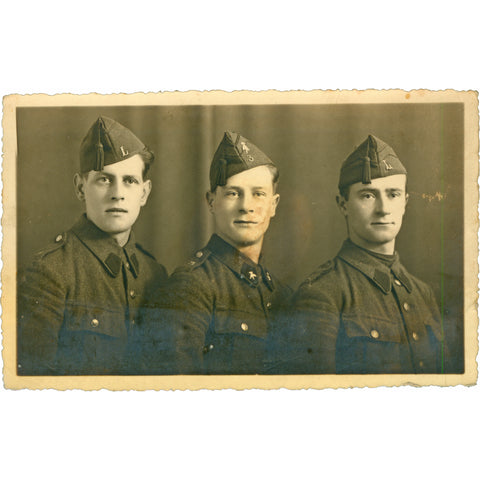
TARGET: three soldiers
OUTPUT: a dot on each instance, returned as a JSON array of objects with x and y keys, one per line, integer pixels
[{"x": 224, "y": 312}]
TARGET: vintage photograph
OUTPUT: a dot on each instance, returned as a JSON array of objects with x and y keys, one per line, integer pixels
[{"x": 240, "y": 240}]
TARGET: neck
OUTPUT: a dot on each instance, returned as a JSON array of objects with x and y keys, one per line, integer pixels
[
  {"x": 121, "y": 238},
  {"x": 384, "y": 248},
  {"x": 251, "y": 251}
]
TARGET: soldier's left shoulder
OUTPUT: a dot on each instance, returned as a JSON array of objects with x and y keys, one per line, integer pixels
[
  {"x": 150, "y": 259},
  {"x": 320, "y": 272},
  {"x": 279, "y": 284},
  {"x": 145, "y": 252},
  {"x": 417, "y": 284}
]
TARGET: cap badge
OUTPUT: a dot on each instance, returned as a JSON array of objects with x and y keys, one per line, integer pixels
[
  {"x": 124, "y": 151},
  {"x": 245, "y": 150},
  {"x": 251, "y": 275},
  {"x": 387, "y": 165}
]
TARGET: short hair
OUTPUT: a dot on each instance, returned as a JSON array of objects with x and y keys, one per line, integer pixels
[
  {"x": 344, "y": 192},
  {"x": 148, "y": 157}
]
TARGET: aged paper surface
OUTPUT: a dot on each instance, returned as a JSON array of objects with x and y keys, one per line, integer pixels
[{"x": 347, "y": 108}]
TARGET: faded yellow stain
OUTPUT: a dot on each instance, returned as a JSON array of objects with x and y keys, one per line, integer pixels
[
  {"x": 436, "y": 196},
  {"x": 407, "y": 96}
]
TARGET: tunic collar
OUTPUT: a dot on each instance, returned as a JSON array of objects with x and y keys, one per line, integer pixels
[
  {"x": 379, "y": 273},
  {"x": 240, "y": 264},
  {"x": 105, "y": 248}
]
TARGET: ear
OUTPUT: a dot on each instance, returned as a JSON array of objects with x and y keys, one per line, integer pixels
[
  {"x": 79, "y": 185},
  {"x": 147, "y": 188},
  {"x": 210, "y": 198},
  {"x": 275, "y": 200},
  {"x": 342, "y": 205},
  {"x": 406, "y": 199}
]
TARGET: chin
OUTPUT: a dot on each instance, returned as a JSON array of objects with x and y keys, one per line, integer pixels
[
  {"x": 246, "y": 241},
  {"x": 116, "y": 229}
]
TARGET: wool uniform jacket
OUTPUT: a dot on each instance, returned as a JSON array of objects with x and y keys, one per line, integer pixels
[
  {"x": 79, "y": 303},
  {"x": 214, "y": 316},
  {"x": 356, "y": 315}
]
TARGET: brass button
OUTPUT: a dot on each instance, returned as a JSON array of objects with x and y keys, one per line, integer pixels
[
  {"x": 127, "y": 265},
  {"x": 58, "y": 238},
  {"x": 420, "y": 363},
  {"x": 207, "y": 348},
  {"x": 397, "y": 282},
  {"x": 199, "y": 254},
  {"x": 406, "y": 306},
  {"x": 244, "y": 327},
  {"x": 374, "y": 334},
  {"x": 94, "y": 322},
  {"x": 269, "y": 304},
  {"x": 415, "y": 335},
  {"x": 132, "y": 293}
]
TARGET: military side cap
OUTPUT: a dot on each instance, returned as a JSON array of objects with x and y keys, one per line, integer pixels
[
  {"x": 235, "y": 154},
  {"x": 108, "y": 142},
  {"x": 372, "y": 159}
]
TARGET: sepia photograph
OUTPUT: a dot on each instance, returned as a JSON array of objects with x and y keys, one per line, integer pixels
[{"x": 240, "y": 240}]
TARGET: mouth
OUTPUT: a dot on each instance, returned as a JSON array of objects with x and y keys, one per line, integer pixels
[
  {"x": 116, "y": 210},
  {"x": 383, "y": 224},
  {"x": 245, "y": 223}
]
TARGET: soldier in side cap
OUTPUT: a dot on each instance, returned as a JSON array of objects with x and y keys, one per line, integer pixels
[
  {"x": 363, "y": 312},
  {"x": 215, "y": 313},
  {"x": 79, "y": 302}
]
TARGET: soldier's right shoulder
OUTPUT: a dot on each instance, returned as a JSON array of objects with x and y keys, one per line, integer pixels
[
  {"x": 324, "y": 271},
  {"x": 194, "y": 262},
  {"x": 58, "y": 244}
]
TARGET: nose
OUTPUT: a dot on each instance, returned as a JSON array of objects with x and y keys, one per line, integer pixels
[
  {"x": 117, "y": 191},
  {"x": 382, "y": 206},
  {"x": 246, "y": 203}
]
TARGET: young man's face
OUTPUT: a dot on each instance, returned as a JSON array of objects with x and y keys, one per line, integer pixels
[
  {"x": 244, "y": 206},
  {"x": 374, "y": 212},
  {"x": 113, "y": 197}
]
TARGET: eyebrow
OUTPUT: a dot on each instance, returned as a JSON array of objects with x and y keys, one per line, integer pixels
[
  {"x": 374, "y": 190},
  {"x": 243, "y": 188},
  {"x": 111, "y": 175}
]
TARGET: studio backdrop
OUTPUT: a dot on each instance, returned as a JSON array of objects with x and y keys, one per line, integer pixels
[{"x": 308, "y": 143}]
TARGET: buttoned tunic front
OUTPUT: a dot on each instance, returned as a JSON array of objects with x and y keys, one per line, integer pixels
[
  {"x": 79, "y": 302},
  {"x": 356, "y": 315},
  {"x": 214, "y": 315}
]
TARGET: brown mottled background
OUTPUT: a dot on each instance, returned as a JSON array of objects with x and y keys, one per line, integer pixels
[{"x": 308, "y": 143}]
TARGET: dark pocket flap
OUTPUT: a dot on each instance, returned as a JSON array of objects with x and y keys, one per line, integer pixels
[
  {"x": 103, "y": 322},
  {"x": 375, "y": 328},
  {"x": 235, "y": 321}
]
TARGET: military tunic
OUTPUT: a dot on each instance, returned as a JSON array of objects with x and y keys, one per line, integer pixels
[
  {"x": 214, "y": 315},
  {"x": 356, "y": 315},
  {"x": 79, "y": 302}
]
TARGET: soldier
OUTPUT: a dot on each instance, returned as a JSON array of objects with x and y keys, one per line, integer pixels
[
  {"x": 79, "y": 302},
  {"x": 215, "y": 313},
  {"x": 362, "y": 312}
]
